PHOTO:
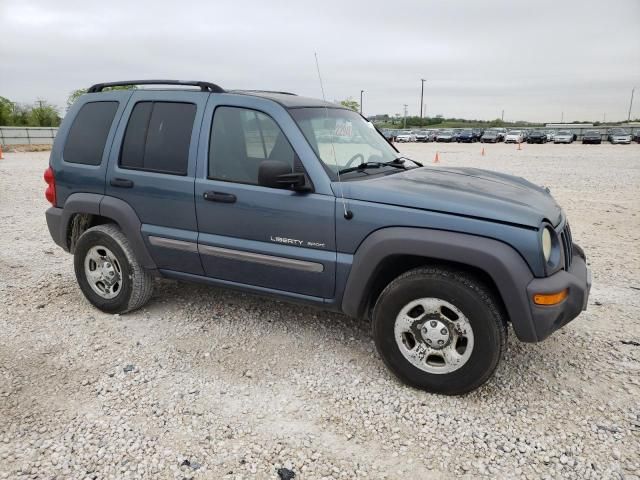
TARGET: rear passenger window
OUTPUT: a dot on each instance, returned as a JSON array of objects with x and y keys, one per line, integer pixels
[
  {"x": 88, "y": 133},
  {"x": 158, "y": 136}
]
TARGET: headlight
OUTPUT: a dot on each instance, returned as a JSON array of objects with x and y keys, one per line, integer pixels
[{"x": 546, "y": 243}]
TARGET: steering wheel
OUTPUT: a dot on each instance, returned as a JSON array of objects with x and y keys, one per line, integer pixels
[{"x": 353, "y": 159}]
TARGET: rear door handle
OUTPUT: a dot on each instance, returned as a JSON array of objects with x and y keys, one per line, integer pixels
[
  {"x": 121, "y": 182},
  {"x": 220, "y": 197}
]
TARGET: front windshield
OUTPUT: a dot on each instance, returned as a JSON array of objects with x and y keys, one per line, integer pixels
[
  {"x": 514, "y": 132},
  {"x": 351, "y": 137},
  {"x": 564, "y": 132}
]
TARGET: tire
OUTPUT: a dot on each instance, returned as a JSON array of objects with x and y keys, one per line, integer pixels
[
  {"x": 135, "y": 284},
  {"x": 462, "y": 293}
]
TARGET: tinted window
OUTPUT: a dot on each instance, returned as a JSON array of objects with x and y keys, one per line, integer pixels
[
  {"x": 88, "y": 133},
  {"x": 240, "y": 140},
  {"x": 158, "y": 136}
]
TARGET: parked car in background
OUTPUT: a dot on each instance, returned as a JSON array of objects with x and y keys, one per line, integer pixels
[
  {"x": 477, "y": 133},
  {"x": 563, "y": 136},
  {"x": 388, "y": 134},
  {"x": 592, "y": 136},
  {"x": 422, "y": 136},
  {"x": 619, "y": 135},
  {"x": 537, "y": 136},
  {"x": 466, "y": 136},
  {"x": 636, "y": 136},
  {"x": 514, "y": 136},
  {"x": 445, "y": 136},
  {"x": 502, "y": 134},
  {"x": 406, "y": 136},
  {"x": 550, "y": 135},
  {"x": 490, "y": 136}
]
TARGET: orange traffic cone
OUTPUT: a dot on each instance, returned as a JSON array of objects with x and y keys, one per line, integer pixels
[
  {"x": 482, "y": 153},
  {"x": 437, "y": 159},
  {"x": 1, "y": 157}
]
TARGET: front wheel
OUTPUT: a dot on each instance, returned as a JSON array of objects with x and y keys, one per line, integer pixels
[
  {"x": 108, "y": 273},
  {"x": 439, "y": 330}
]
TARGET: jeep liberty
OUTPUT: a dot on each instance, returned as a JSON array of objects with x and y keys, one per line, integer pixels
[{"x": 302, "y": 199}]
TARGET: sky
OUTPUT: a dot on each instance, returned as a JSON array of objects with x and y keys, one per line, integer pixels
[{"x": 536, "y": 60}]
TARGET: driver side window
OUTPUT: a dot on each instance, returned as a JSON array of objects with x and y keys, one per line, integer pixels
[{"x": 240, "y": 139}]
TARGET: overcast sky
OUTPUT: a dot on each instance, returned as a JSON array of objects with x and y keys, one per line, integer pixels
[{"x": 534, "y": 59}]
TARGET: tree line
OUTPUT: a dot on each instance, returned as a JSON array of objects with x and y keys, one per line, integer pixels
[{"x": 39, "y": 114}]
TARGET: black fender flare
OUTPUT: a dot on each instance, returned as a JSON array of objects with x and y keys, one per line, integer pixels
[
  {"x": 110, "y": 207},
  {"x": 499, "y": 261}
]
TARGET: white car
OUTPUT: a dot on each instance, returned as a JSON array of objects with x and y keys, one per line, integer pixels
[
  {"x": 406, "y": 136},
  {"x": 550, "y": 135},
  {"x": 619, "y": 136},
  {"x": 514, "y": 136},
  {"x": 563, "y": 136}
]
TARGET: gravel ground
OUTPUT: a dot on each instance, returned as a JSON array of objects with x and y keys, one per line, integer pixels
[{"x": 209, "y": 383}]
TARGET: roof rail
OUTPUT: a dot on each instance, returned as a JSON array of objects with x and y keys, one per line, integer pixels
[
  {"x": 265, "y": 91},
  {"x": 204, "y": 86}
]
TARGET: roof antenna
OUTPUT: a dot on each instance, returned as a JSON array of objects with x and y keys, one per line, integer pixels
[{"x": 348, "y": 214}]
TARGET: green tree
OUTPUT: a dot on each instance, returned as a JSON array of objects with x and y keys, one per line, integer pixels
[
  {"x": 6, "y": 111},
  {"x": 351, "y": 103},
  {"x": 20, "y": 115},
  {"x": 42, "y": 114},
  {"x": 73, "y": 96}
]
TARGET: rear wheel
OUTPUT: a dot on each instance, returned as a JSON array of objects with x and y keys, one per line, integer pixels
[
  {"x": 439, "y": 330},
  {"x": 108, "y": 272}
]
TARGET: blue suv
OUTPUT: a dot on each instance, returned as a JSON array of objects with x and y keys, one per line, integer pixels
[{"x": 301, "y": 199}]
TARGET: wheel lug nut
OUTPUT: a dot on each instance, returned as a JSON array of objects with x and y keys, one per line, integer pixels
[
  {"x": 440, "y": 342},
  {"x": 434, "y": 323},
  {"x": 444, "y": 331}
]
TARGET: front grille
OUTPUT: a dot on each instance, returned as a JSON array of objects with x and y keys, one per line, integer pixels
[{"x": 567, "y": 245}]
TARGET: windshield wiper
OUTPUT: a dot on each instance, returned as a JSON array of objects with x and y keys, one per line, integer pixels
[{"x": 363, "y": 166}]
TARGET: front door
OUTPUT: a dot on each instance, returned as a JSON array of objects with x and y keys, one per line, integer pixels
[{"x": 267, "y": 238}]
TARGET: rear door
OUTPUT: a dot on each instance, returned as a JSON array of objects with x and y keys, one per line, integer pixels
[
  {"x": 152, "y": 167},
  {"x": 268, "y": 238}
]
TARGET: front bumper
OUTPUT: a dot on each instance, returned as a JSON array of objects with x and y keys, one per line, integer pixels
[{"x": 548, "y": 319}]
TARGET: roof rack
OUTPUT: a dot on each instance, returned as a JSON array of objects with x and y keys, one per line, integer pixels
[
  {"x": 265, "y": 91},
  {"x": 204, "y": 86}
]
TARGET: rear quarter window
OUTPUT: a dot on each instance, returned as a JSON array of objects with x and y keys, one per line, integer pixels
[{"x": 88, "y": 133}]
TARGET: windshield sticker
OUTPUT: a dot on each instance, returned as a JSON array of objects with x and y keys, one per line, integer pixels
[{"x": 343, "y": 129}]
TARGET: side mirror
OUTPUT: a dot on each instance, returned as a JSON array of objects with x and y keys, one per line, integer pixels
[{"x": 278, "y": 174}]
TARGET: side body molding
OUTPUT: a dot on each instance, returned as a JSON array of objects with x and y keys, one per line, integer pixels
[{"x": 501, "y": 262}]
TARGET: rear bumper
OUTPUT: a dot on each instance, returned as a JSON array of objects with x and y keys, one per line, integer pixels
[
  {"x": 57, "y": 227},
  {"x": 548, "y": 319}
]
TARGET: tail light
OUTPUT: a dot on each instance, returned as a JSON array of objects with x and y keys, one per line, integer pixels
[{"x": 50, "y": 192}]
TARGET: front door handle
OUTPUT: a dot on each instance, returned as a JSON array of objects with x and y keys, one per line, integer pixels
[
  {"x": 220, "y": 197},
  {"x": 121, "y": 182}
]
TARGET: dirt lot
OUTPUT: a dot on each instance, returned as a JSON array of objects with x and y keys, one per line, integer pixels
[{"x": 208, "y": 383}]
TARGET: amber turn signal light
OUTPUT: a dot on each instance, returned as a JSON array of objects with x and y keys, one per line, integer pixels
[{"x": 550, "y": 298}]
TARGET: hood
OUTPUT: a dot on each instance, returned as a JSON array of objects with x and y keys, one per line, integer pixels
[{"x": 461, "y": 191}]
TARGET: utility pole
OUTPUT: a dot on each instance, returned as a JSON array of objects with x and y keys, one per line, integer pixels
[
  {"x": 631, "y": 104},
  {"x": 421, "y": 98},
  {"x": 562, "y": 117},
  {"x": 361, "y": 92},
  {"x": 502, "y": 117},
  {"x": 405, "y": 115}
]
